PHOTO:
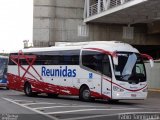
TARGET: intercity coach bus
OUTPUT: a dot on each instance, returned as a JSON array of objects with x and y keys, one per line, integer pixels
[{"x": 109, "y": 70}]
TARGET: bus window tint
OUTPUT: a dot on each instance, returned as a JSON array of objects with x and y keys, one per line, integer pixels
[
  {"x": 52, "y": 58},
  {"x": 96, "y": 61},
  {"x": 58, "y": 58},
  {"x": 90, "y": 59},
  {"x": 106, "y": 66}
]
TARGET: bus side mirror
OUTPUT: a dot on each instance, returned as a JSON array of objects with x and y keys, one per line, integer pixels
[
  {"x": 151, "y": 62},
  {"x": 149, "y": 58}
]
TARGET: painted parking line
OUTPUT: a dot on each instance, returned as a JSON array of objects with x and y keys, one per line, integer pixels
[
  {"x": 68, "y": 106},
  {"x": 23, "y": 100},
  {"x": 36, "y": 111},
  {"x": 84, "y": 110},
  {"x": 40, "y": 103},
  {"x": 79, "y": 106},
  {"x": 27, "y": 104}
]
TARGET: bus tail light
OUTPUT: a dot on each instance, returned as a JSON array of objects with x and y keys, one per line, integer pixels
[{"x": 115, "y": 88}]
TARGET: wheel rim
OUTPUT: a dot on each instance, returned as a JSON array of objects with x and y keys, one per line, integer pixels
[{"x": 86, "y": 94}]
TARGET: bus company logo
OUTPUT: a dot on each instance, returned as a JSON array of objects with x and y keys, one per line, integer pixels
[
  {"x": 90, "y": 75},
  {"x": 61, "y": 72}
]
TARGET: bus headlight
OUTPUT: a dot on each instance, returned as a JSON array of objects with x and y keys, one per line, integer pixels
[{"x": 115, "y": 88}]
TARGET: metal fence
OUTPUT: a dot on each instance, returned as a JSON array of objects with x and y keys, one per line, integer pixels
[{"x": 103, "y": 5}]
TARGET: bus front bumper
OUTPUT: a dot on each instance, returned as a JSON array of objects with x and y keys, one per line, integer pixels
[{"x": 129, "y": 95}]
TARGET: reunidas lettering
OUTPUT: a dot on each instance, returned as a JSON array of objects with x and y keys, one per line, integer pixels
[{"x": 61, "y": 72}]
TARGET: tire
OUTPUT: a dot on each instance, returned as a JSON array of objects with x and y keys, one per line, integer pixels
[
  {"x": 28, "y": 90},
  {"x": 85, "y": 94},
  {"x": 7, "y": 88},
  {"x": 113, "y": 101},
  {"x": 50, "y": 95}
]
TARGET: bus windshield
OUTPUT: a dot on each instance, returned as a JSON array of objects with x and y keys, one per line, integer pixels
[{"x": 130, "y": 68}]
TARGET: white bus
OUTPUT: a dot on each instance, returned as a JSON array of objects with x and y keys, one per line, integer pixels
[{"x": 102, "y": 70}]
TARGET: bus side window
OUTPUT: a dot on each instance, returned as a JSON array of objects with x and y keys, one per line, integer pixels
[
  {"x": 10, "y": 61},
  {"x": 106, "y": 66},
  {"x": 92, "y": 60}
]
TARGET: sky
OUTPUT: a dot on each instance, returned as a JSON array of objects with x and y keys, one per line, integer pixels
[{"x": 16, "y": 24}]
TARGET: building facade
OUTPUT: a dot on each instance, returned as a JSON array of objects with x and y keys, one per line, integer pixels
[
  {"x": 57, "y": 20},
  {"x": 132, "y": 21},
  {"x": 67, "y": 20}
]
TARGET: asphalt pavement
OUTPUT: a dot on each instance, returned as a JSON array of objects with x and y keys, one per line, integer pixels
[{"x": 16, "y": 106}]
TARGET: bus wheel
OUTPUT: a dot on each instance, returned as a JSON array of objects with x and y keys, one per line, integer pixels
[
  {"x": 85, "y": 94},
  {"x": 28, "y": 89},
  {"x": 7, "y": 88},
  {"x": 113, "y": 101}
]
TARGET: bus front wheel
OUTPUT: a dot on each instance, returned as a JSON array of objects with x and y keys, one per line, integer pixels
[{"x": 85, "y": 94}]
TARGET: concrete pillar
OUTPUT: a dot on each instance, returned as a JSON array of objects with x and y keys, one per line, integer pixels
[
  {"x": 107, "y": 4},
  {"x": 88, "y": 7},
  {"x": 44, "y": 12},
  {"x": 99, "y": 6},
  {"x": 59, "y": 20}
]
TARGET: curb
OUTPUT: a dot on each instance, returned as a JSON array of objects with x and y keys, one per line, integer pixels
[{"x": 154, "y": 90}]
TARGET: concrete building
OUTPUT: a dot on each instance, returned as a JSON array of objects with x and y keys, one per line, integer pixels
[
  {"x": 57, "y": 20},
  {"x": 133, "y": 21},
  {"x": 91, "y": 20}
]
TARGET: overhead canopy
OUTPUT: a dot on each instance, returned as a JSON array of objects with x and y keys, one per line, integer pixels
[{"x": 130, "y": 12}]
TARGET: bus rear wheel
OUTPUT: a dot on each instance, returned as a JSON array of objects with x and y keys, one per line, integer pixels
[
  {"x": 113, "y": 101},
  {"x": 85, "y": 94},
  {"x": 28, "y": 89},
  {"x": 7, "y": 88}
]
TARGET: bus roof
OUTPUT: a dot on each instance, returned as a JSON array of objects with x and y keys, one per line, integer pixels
[{"x": 106, "y": 45}]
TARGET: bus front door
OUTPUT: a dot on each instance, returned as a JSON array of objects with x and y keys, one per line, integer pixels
[{"x": 106, "y": 78}]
